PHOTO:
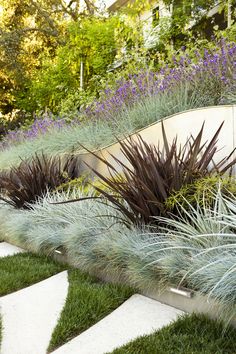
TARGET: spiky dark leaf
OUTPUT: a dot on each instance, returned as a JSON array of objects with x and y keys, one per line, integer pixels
[
  {"x": 155, "y": 173},
  {"x": 30, "y": 180}
]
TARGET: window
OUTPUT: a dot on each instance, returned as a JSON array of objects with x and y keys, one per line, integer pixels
[{"x": 155, "y": 16}]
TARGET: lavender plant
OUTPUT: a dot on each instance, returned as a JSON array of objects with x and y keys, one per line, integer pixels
[
  {"x": 208, "y": 76},
  {"x": 141, "y": 100},
  {"x": 40, "y": 126}
]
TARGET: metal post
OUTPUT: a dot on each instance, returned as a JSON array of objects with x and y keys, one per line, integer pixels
[
  {"x": 81, "y": 75},
  {"x": 229, "y": 15}
]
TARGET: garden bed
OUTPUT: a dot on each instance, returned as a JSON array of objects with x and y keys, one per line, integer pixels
[
  {"x": 183, "y": 125},
  {"x": 146, "y": 225},
  {"x": 184, "y": 299}
]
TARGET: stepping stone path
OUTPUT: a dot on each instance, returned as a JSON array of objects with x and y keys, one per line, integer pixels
[
  {"x": 9, "y": 250},
  {"x": 137, "y": 316},
  {"x": 30, "y": 315}
]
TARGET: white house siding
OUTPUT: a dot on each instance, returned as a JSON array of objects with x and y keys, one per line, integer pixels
[{"x": 150, "y": 33}]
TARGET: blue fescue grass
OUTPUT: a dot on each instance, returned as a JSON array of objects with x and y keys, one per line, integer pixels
[
  {"x": 100, "y": 133},
  {"x": 201, "y": 250},
  {"x": 196, "y": 250}
]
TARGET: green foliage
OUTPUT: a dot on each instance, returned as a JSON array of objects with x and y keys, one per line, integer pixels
[
  {"x": 190, "y": 27},
  {"x": 29, "y": 32},
  {"x": 93, "y": 42},
  {"x": 70, "y": 106},
  {"x": 228, "y": 33},
  {"x": 13, "y": 121},
  {"x": 90, "y": 42},
  {"x": 201, "y": 192},
  {"x": 1, "y": 329},
  {"x": 44, "y": 42},
  {"x": 76, "y": 183},
  {"x": 22, "y": 270},
  {"x": 32, "y": 179},
  {"x": 85, "y": 183},
  {"x": 49, "y": 87},
  {"x": 191, "y": 334}
]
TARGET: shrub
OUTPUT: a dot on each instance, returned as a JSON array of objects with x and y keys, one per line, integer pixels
[
  {"x": 32, "y": 178},
  {"x": 202, "y": 191},
  {"x": 40, "y": 126},
  {"x": 76, "y": 183},
  {"x": 155, "y": 174},
  {"x": 201, "y": 250}
]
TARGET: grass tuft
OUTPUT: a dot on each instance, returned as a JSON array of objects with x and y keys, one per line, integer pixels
[
  {"x": 22, "y": 270},
  {"x": 88, "y": 301},
  {"x": 152, "y": 173}
]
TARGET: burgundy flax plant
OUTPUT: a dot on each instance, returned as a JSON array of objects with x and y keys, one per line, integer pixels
[
  {"x": 152, "y": 173},
  {"x": 30, "y": 180}
]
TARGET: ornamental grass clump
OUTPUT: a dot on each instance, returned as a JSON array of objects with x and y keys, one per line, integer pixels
[
  {"x": 201, "y": 247},
  {"x": 145, "y": 97},
  {"x": 152, "y": 173},
  {"x": 30, "y": 180},
  {"x": 40, "y": 126}
]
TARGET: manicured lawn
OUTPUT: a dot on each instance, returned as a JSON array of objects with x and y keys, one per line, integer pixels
[
  {"x": 88, "y": 301},
  {"x": 22, "y": 270},
  {"x": 189, "y": 335}
]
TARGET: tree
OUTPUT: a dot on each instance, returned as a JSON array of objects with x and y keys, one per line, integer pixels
[
  {"x": 90, "y": 41},
  {"x": 29, "y": 31}
]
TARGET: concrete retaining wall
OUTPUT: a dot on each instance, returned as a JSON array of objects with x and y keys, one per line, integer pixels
[
  {"x": 196, "y": 303},
  {"x": 183, "y": 299},
  {"x": 182, "y": 125}
]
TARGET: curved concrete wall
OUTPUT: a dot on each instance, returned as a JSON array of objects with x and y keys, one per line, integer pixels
[{"x": 182, "y": 125}]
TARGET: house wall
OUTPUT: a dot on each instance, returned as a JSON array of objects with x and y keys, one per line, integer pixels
[
  {"x": 149, "y": 31},
  {"x": 150, "y": 34}
]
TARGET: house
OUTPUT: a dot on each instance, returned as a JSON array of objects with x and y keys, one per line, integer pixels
[
  {"x": 219, "y": 16},
  {"x": 150, "y": 18}
]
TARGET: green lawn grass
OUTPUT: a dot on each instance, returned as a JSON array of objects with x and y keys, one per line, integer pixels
[
  {"x": 88, "y": 301},
  {"x": 191, "y": 334},
  {"x": 24, "y": 269}
]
